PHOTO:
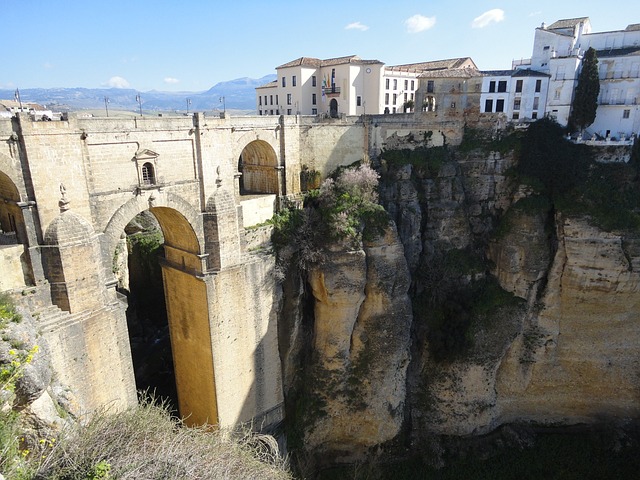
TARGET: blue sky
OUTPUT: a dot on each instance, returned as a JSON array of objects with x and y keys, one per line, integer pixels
[{"x": 192, "y": 45}]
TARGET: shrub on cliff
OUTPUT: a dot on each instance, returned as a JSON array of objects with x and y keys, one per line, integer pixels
[
  {"x": 344, "y": 209},
  {"x": 546, "y": 155}
]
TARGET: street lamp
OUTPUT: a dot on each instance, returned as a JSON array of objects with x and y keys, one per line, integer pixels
[{"x": 106, "y": 105}]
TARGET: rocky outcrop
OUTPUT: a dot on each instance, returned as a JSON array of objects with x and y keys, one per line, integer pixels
[
  {"x": 359, "y": 350},
  {"x": 578, "y": 361}
]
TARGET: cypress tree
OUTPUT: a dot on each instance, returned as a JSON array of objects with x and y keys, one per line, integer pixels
[{"x": 585, "y": 102}]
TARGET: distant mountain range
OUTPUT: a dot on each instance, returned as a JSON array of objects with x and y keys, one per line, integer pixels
[{"x": 239, "y": 94}]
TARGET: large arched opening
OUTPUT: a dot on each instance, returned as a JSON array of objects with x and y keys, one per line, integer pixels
[
  {"x": 168, "y": 315},
  {"x": 258, "y": 166},
  {"x": 11, "y": 219}
]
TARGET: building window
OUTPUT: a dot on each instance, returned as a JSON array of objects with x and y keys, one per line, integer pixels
[
  {"x": 538, "y": 85},
  {"x": 259, "y": 100},
  {"x": 386, "y": 99},
  {"x": 277, "y": 111},
  {"x": 516, "y": 104},
  {"x": 405, "y": 97},
  {"x": 288, "y": 99},
  {"x": 284, "y": 82},
  {"x": 313, "y": 99},
  {"x": 277, "y": 102},
  {"x": 265, "y": 100},
  {"x": 313, "y": 81},
  {"x": 412, "y": 85},
  {"x": 259, "y": 112},
  {"x": 453, "y": 104},
  {"x": 536, "y": 102},
  {"x": 395, "y": 97},
  {"x": 534, "y": 115},
  {"x": 515, "y": 116},
  {"x": 270, "y": 99},
  {"x": 293, "y": 81},
  {"x": 429, "y": 86},
  {"x": 314, "y": 111},
  {"x": 492, "y": 86},
  {"x": 502, "y": 86},
  {"x": 395, "y": 83},
  {"x": 386, "y": 84},
  {"x": 518, "y": 86},
  {"x": 358, "y": 101},
  {"x": 394, "y": 110},
  {"x": 271, "y": 112},
  {"x": 500, "y": 105},
  {"x": 488, "y": 106},
  {"x": 406, "y": 84},
  {"x": 148, "y": 175},
  {"x": 556, "y": 95},
  {"x": 626, "y": 113},
  {"x": 288, "y": 111}
]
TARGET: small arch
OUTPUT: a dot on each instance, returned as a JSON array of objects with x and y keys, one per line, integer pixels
[
  {"x": 258, "y": 165},
  {"x": 148, "y": 174},
  {"x": 333, "y": 108},
  {"x": 11, "y": 218}
]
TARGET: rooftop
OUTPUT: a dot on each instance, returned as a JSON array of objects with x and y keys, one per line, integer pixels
[{"x": 317, "y": 63}]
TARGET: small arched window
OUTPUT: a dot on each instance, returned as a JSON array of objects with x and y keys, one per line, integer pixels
[{"x": 148, "y": 175}]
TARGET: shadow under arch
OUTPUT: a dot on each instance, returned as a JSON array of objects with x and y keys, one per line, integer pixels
[
  {"x": 258, "y": 166},
  {"x": 186, "y": 297}
]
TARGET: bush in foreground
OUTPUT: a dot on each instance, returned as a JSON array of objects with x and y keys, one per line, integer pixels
[{"x": 146, "y": 443}]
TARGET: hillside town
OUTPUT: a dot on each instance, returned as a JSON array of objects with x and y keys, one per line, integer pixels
[{"x": 542, "y": 85}]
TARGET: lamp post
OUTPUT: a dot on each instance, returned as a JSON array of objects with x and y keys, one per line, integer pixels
[
  {"x": 106, "y": 105},
  {"x": 139, "y": 100}
]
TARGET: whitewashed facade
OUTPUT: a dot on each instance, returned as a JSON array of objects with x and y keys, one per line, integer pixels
[
  {"x": 346, "y": 86},
  {"x": 520, "y": 94},
  {"x": 558, "y": 50}
]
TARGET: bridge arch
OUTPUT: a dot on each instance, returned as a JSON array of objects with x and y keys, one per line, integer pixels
[
  {"x": 186, "y": 297},
  {"x": 12, "y": 224},
  {"x": 258, "y": 165}
]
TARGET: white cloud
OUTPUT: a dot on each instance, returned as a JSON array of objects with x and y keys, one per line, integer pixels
[
  {"x": 117, "y": 82},
  {"x": 356, "y": 26},
  {"x": 47, "y": 65},
  {"x": 419, "y": 23},
  {"x": 536, "y": 13},
  {"x": 492, "y": 16},
  {"x": 171, "y": 80}
]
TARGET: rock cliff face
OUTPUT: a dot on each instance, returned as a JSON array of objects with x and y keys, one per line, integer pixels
[
  {"x": 356, "y": 349},
  {"x": 518, "y": 313}
]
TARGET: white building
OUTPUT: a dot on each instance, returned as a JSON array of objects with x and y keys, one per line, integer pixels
[
  {"x": 520, "y": 94},
  {"x": 558, "y": 50},
  {"x": 346, "y": 86},
  {"x": 310, "y": 86}
]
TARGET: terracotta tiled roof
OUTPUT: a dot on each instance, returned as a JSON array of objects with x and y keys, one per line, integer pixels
[
  {"x": 567, "y": 23},
  {"x": 451, "y": 73},
  {"x": 269, "y": 85},
  {"x": 317, "y": 63},
  {"x": 447, "y": 64}
]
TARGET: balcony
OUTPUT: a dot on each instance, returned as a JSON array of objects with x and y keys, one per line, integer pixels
[{"x": 332, "y": 91}]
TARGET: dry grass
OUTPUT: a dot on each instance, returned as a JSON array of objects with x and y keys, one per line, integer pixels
[{"x": 145, "y": 443}]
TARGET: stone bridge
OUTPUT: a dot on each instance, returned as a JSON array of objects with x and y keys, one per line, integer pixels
[{"x": 67, "y": 190}]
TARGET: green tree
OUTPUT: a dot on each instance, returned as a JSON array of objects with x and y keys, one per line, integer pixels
[{"x": 585, "y": 101}]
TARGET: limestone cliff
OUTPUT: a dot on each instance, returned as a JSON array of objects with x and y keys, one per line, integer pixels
[
  {"x": 517, "y": 311},
  {"x": 357, "y": 350}
]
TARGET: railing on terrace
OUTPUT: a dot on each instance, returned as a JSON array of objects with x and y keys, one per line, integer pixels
[{"x": 331, "y": 89}]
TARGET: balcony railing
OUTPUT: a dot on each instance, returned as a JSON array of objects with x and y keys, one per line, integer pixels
[{"x": 332, "y": 90}]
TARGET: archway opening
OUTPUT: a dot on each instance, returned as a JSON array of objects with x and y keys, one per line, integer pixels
[
  {"x": 11, "y": 219},
  {"x": 258, "y": 168},
  {"x": 168, "y": 316},
  {"x": 333, "y": 108}
]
